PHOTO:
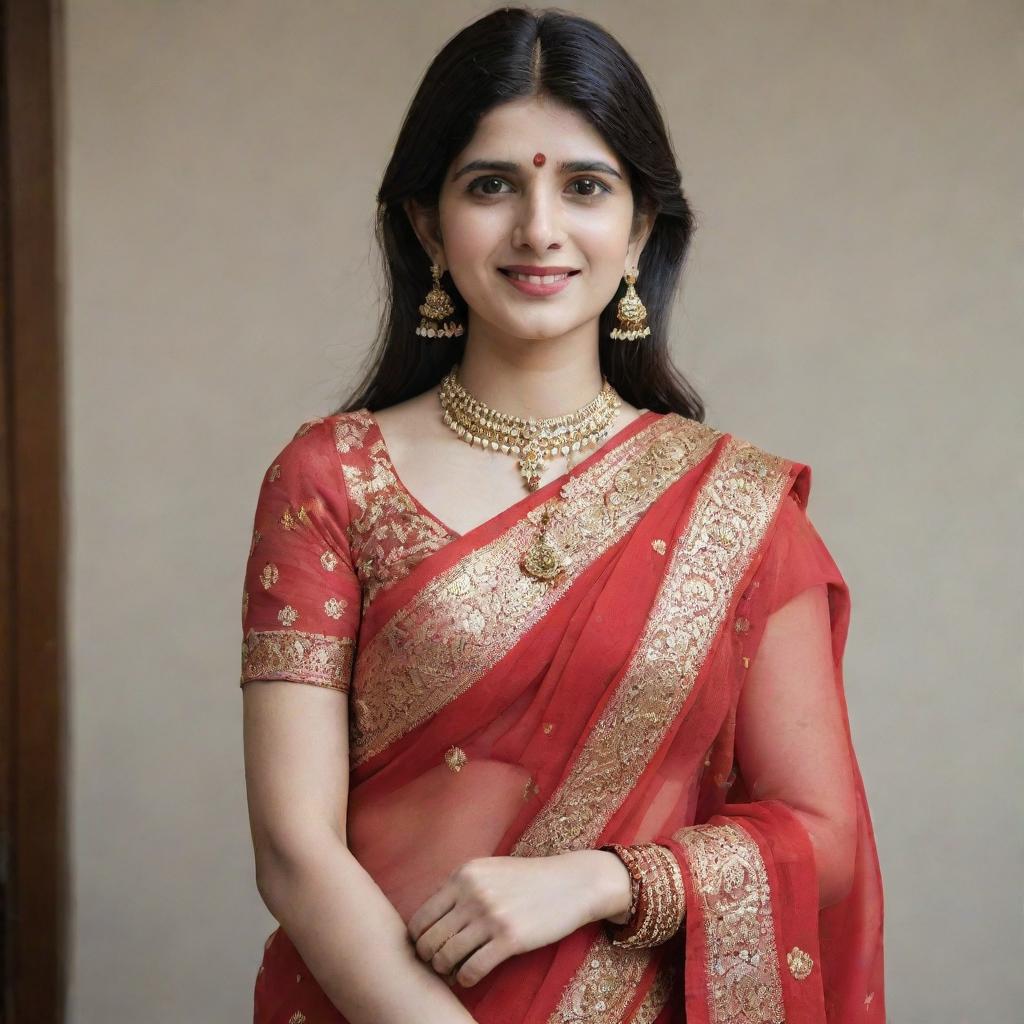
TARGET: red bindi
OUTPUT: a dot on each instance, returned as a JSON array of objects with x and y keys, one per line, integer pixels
[{"x": 538, "y": 159}]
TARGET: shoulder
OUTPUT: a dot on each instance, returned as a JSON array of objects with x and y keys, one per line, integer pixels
[
  {"x": 318, "y": 441},
  {"x": 342, "y": 431},
  {"x": 307, "y": 473},
  {"x": 350, "y": 431},
  {"x": 761, "y": 469},
  {"x": 780, "y": 475},
  {"x": 304, "y": 486},
  {"x": 775, "y": 489}
]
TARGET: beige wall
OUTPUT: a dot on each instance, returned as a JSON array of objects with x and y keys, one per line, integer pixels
[{"x": 854, "y": 302}]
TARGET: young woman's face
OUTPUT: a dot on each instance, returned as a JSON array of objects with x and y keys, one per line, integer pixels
[{"x": 508, "y": 201}]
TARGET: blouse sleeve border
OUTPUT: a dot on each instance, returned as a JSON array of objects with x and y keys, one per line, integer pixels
[{"x": 299, "y": 657}]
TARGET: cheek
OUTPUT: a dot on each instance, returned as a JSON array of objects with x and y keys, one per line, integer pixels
[
  {"x": 605, "y": 256},
  {"x": 604, "y": 241},
  {"x": 472, "y": 233}
]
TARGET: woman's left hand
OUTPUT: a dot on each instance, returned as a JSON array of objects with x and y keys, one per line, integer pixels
[{"x": 492, "y": 908}]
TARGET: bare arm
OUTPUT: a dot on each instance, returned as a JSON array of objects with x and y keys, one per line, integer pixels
[{"x": 343, "y": 926}]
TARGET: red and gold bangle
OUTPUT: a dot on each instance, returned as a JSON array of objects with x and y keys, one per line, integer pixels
[{"x": 658, "y": 898}]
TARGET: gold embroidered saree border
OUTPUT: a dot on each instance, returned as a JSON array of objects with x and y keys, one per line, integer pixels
[
  {"x": 731, "y": 884},
  {"x": 464, "y": 621},
  {"x": 298, "y": 657},
  {"x": 658, "y": 995},
  {"x": 729, "y": 519},
  {"x": 606, "y": 985}
]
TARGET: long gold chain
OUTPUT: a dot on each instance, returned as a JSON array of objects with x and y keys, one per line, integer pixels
[{"x": 533, "y": 440}]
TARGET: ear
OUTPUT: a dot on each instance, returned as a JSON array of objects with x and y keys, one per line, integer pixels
[
  {"x": 643, "y": 225},
  {"x": 426, "y": 223}
]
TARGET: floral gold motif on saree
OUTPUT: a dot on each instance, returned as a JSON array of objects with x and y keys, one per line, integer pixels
[
  {"x": 455, "y": 758},
  {"x": 351, "y": 429},
  {"x": 731, "y": 883},
  {"x": 461, "y": 623},
  {"x": 800, "y": 963},
  {"x": 730, "y": 516}
]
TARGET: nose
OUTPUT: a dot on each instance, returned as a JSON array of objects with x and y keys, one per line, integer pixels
[{"x": 538, "y": 220}]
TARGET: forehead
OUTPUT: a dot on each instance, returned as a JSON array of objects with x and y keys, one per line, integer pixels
[{"x": 537, "y": 125}]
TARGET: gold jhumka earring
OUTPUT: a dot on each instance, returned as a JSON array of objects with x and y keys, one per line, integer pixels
[
  {"x": 436, "y": 307},
  {"x": 632, "y": 313}
]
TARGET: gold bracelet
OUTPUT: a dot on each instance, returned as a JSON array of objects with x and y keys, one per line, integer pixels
[{"x": 659, "y": 906}]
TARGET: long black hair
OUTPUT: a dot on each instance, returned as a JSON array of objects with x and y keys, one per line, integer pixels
[{"x": 511, "y": 53}]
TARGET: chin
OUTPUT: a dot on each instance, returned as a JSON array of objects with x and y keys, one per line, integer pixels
[
  {"x": 539, "y": 332},
  {"x": 550, "y": 323}
]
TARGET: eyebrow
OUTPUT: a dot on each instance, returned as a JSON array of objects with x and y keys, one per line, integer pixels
[{"x": 510, "y": 166}]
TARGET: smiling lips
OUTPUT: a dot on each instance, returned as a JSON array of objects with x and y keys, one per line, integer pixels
[
  {"x": 520, "y": 271},
  {"x": 538, "y": 280}
]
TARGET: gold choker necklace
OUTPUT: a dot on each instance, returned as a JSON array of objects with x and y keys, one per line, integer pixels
[{"x": 533, "y": 440}]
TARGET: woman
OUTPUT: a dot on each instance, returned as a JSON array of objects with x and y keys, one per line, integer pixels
[{"x": 575, "y": 745}]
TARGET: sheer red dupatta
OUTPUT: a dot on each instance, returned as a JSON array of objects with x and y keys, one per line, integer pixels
[{"x": 757, "y": 947}]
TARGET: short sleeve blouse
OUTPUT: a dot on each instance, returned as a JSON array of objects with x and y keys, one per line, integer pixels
[
  {"x": 301, "y": 600},
  {"x": 795, "y": 558}
]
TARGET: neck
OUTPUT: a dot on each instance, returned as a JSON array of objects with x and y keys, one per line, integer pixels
[{"x": 531, "y": 377}]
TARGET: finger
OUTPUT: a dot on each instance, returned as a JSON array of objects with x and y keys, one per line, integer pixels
[
  {"x": 453, "y": 952},
  {"x": 480, "y": 963},
  {"x": 440, "y": 932},
  {"x": 430, "y": 911}
]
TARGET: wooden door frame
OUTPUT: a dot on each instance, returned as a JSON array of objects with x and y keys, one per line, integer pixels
[{"x": 34, "y": 876}]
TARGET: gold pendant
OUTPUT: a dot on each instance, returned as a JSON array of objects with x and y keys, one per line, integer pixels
[
  {"x": 531, "y": 465},
  {"x": 544, "y": 560}
]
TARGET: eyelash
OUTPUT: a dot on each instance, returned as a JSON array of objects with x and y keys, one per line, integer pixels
[{"x": 471, "y": 187}]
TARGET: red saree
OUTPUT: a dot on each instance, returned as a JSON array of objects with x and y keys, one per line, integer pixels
[{"x": 535, "y": 717}]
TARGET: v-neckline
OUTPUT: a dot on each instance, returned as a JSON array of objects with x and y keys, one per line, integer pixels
[{"x": 523, "y": 504}]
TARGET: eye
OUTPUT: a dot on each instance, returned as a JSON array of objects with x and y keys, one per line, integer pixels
[
  {"x": 472, "y": 186},
  {"x": 600, "y": 187}
]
